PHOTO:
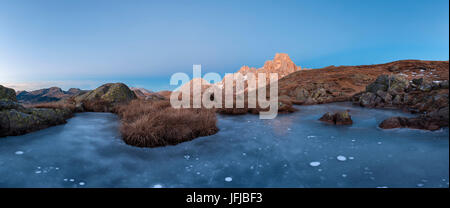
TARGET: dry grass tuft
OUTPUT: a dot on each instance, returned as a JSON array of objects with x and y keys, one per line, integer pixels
[{"x": 152, "y": 124}]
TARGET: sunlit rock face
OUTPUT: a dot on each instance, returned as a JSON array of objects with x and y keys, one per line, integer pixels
[{"x": 281, "y": 64}]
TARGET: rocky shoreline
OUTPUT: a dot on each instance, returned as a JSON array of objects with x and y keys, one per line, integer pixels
[
  {"x": 17, "y": 120},
  {"x": 421, "y": 96}
]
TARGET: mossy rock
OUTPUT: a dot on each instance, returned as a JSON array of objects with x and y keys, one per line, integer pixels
[
  {"x": 9, "y": 104},
  {"x": 339, "y": 118},
  {"x": 24, "y": 120},
  {"x": 7, "y": 94},
  {"x": 397, "y": 85}
]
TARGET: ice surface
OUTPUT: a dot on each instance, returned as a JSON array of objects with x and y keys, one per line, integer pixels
[
  {"x": 341, "y": 158},
  {"x": 88, "y": 150}
]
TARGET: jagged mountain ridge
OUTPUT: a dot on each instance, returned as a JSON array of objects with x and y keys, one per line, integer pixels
[{"x": 46, "y": 95}]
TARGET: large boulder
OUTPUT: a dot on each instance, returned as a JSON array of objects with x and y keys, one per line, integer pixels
[
  {"x": 397, "y": 84},
  {"x": 393, "y": 84},
  {"x": 444, "y": 84},
  {"x": 381, "y": 83},
  {"x": 106, "y": 97},
  {"x": 8, "y": 104},
  {"x": 375, "y": 87},
  {"x": 343, "y": 118},
  {"x": 7, "y": 94},
  {"x": 367, "y": 99},
  {"x": 394, "y": 122}
]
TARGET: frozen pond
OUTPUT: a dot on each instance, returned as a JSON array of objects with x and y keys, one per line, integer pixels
[{"x": 294, "y": 150}]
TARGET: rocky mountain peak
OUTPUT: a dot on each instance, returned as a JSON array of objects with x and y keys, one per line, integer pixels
[{"x": 281, "y": 64}]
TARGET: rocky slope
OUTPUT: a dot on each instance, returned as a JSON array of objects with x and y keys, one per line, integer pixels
[
  {"x": 46, "y": 95},
  {"x": 16, "y": 119},
  {"x": 334, "y": 84},
  {"x": 425, "y": 96}
]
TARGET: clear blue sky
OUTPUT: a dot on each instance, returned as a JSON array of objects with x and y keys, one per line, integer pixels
[{"x": 84, "y": 43}]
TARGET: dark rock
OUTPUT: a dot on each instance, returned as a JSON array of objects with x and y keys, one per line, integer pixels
[
  {"x": 422, "y": 122},
  {"x": 368, "y": 99},
  {"x": 343, "y": 118},
  {"x": 7, "y": 94},
  {"x": 397, "y": 100},
  {"x": 21, "y": 121},
  {"x": 423, "y": 96},
  {"x": 417, "y": 82},
  {"x": 386, "y": 97},
  {"x": 374, "y": 87},
  {"x": 339, "y": 118},
  {"x": 328, "y": 118},
  {"x": 397, "y": 84},
  {"x": 426, "y": 86},
  {"x": 9, "y": 104},
  {"x": 393, "y": 122}
]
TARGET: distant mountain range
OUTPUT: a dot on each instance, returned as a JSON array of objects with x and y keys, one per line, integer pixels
[
  {"x": 46, "y": 95},
  {"x": 54, "y": 94},
  {"x": 281, "y": 65}
]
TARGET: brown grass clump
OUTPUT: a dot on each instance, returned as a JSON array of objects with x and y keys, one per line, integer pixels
[{"x": 152, "y": 124}]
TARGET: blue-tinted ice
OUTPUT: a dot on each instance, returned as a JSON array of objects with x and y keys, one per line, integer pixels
[{"x": 294, "y": 150}]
